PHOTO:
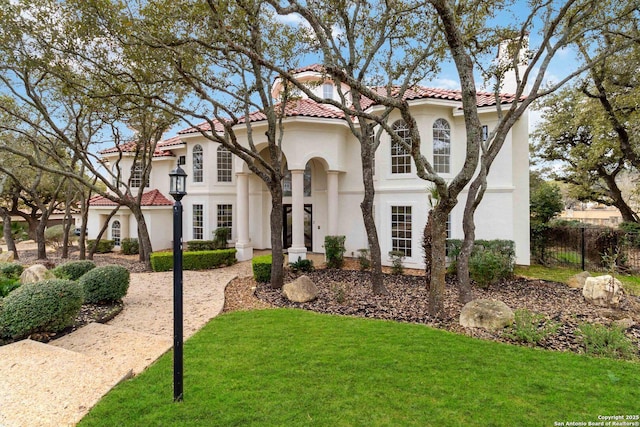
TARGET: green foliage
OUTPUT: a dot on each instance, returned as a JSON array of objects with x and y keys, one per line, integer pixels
[
  {"x": 73, "y": 270},
  {"x": 546, "y": 202},
  {"x": 531, "y": 328},
  {"x": 201, "y": 245},
  {"x": 334, "y": 251},
  {"x": 50, "y": 305},
  {"x": 7, "y": 285},
  {"x": 220, "y": 237},
  {"x": 130, "y": 246},
  {"x": 194, "y": 260},
  {"x": 261, "y": 266},
  {"x": 629, "y": 227},
  {"x": 600, "y": 340},
  {"x": 19, "y": 231},
  {"x": 108, "y": 283},
  {"x": 396, "y": 262},
  {"x": 364, "y": 259},
  {"x": 54, "y": 236},
  {"x": 490, "y": 261},
  {"x": 302, "y": 265},
  {"x": 11, "y": 270},
  {"x": 104, "y": 246}
]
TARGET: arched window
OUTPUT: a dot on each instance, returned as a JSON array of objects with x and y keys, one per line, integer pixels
[
  {"x": 441, "y": 146},
  {"x": 115, "y": 232},
  {"x": 197, "y": 163},
  {"x": 225, "y": 164},
  {"x": 400, "y": 157}
]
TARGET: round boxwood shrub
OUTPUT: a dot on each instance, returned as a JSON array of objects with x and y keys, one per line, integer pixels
[
  {"x": 11, "y": 270},
  {"x": 73, "y": 270},
  {"x": 46, "y": 306},
  {"x": 105, "y": 284}
]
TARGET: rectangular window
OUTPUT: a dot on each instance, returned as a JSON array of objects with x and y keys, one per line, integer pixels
[
  {"x": 198, "y": 222},
  {"x": 485, "y": 133},
  {"x": 400, "y": 159},
  {"x": 136, "y": 176},
  {"x": 401, "y": 229},
  {"x": 225, "y": 165},
  {"x": 327, "y": 91},
  {"x": 225, "y": 217}
]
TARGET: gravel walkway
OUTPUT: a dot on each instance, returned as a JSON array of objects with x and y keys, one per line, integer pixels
[{"x": 56, "y": 384}]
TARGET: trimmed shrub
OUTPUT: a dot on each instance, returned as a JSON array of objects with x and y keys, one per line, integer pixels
[
  {"x": 11, "y": 270},
  {"x": 104, "y": 246},
  {"x": 130, "y": 246},
  {"x": 196, "y": 260},
  {"x": 47, "y": 306},
  {"x": 334, "y": 251},
  {"x": 302, "y": 266},
  {"x": 490, "y": 261},
  {"x": 220, "y": 237},
  {"x": 262, "y": 268},
  {"x": 108, "y": 283},
  {"x": 201, "y": 245},
  {"x": 73, "y": 270}
]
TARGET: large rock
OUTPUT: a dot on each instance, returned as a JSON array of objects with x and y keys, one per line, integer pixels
[
  {"x": 7, "y": 256},
  {"x": 35, "y": 273},
  {"x": 577, "y": 281},
  {"x": 300, "y": 290},
  {"x": 487, "y": 314},
  {"x": 603, "y": 291}
]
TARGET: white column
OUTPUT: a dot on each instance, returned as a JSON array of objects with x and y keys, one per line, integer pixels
[
  {"x": 297, "y": 249},
  {"x": 243, "y": 244},
  {"x": 332, "y": 203}
]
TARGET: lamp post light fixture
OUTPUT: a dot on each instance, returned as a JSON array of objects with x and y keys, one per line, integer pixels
[{"x": 177, "y": 189}]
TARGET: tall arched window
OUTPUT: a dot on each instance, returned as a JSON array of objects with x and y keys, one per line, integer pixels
[
  {"x": 197, "y": 163},
  {"x": 225, "y": 164},
  {"x": 441, "y": 146},
  {"x": 400, "y": 157},
  {"x": 115, "y": 232}
]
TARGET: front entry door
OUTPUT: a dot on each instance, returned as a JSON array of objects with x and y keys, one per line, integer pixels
[{"x": 308, "y": 230}]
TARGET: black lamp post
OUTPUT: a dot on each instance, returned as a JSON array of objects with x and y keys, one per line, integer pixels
[{"x": 177, "y": 189}]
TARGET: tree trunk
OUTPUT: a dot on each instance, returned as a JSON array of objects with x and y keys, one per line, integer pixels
[
  {"x": 8, "y": 235},
  {"x": 277, "y": 255},
  {"x": 144, "y": 240},
  {"x": 427, "y": 246},
  {"x": 66, "y": 230},
  {"x": 40, "y": 239},
  {"x": 377, "y": 284},
  {"x": 438, "y": 256}
]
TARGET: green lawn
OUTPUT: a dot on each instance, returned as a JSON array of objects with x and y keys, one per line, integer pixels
[
  {"x": 292, "y": 367},
  {"x": 631, "y": 284}
]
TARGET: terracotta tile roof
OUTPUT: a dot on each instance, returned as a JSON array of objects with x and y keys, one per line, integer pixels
[
  {"x": 130, "y": 147},
  {"x": 313, "y": 67},
  {"x": 150, "y": 198}
]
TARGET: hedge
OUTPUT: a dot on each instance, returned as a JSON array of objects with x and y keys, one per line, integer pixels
[
  {"x": 46, "y": 306},
  {"x": 105, "y": 284},
  {"x": 262, "y": 268},
  {"x": 194, "y": 260},
  {"x": 104, "y": 246},
  {"x": 73, "y": 270},
  {"x": 130, "y": 246}
]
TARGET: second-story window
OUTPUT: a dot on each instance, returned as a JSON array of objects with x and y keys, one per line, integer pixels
[
  {"x": 327, "y": 91},
  {"x": 441, "y": 146},
  {"x": 197, "y": 163},
  {"x": 400, "y": 157},
  {"x": 225, "y": 164},
  {"x": 136, "y": 176}
]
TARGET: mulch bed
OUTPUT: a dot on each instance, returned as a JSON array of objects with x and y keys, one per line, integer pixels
[{"x": 348, "y": 292}]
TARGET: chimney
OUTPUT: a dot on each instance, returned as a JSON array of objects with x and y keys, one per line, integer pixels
[{"x": 509, "y": 50}]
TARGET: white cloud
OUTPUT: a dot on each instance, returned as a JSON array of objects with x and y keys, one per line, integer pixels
[{"x": 444, "y": 83}]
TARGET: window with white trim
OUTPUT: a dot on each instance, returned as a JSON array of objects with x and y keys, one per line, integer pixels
[
  {"x": 136, "y": 176},
  {"x": 198, "y": 222},
  {"x": 224, "y": 163},
  {"x": 197, "y": 163},
  {"x": 225, "y": 217},
  {"x": 327, "y": 91},
  {"x": 441, "y": 146},
  {"x": 116, "y": 232},
  {"x": 400, "y": 157},
  {"x": 401, "y": 229}
]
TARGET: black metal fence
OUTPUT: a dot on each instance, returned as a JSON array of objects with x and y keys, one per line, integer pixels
[{"x": 590, "y": 248}]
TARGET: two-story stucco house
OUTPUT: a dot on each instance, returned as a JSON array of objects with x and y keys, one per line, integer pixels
[{"x": 323, "y": 188}]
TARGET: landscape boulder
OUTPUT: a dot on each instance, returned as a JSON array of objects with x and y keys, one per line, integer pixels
[
  {"x": 577, "y": 281},
  {"x": 487, "y": 314},
  {"x": 603, "y": 291},
  {"x": 7, "y": 256},
  {"x": 300, "y": 290},
  {"x": 35, "y": 273}
]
